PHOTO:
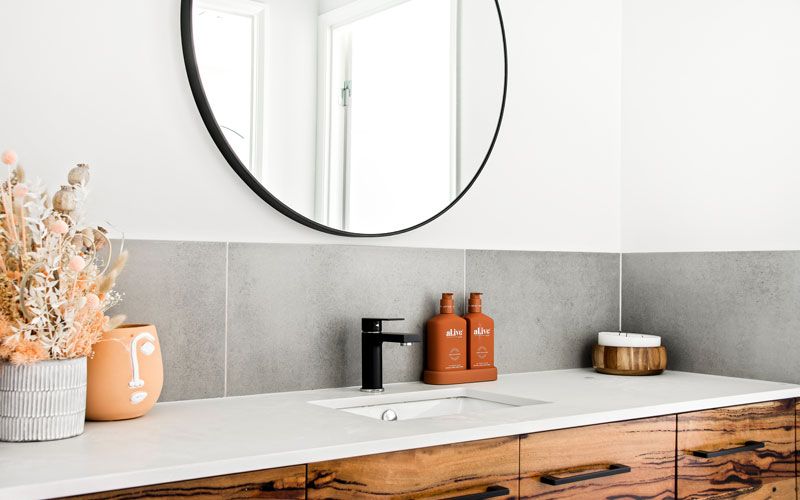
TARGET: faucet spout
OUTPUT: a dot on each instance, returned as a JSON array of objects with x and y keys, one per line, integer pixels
[
  {"x": 372, "y": 339},
  {"x": 399, "y": 338}
]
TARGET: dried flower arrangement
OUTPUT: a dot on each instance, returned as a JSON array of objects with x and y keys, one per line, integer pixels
[{"x": 54, "y": 289}]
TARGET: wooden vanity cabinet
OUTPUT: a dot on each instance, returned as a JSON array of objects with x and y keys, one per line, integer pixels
[
  {"x": 489, "y": 467},
  {"x": 285, "y": 482},
  {"x": 633, "y": 459},
  {"x": 743, "y": 452}
]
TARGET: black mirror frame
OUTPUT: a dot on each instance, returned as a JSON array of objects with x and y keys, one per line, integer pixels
[{"x": 187, "y": 41}]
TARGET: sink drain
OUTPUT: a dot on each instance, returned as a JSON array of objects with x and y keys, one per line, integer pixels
[{"x": 389, "y": 415}]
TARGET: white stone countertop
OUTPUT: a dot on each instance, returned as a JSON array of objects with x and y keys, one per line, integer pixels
[{"x": 193, "y": 439}]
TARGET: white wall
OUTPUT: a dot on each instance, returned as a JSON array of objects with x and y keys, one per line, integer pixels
[
  {"x": 103, "y": 81},
  {"x": 480, "y": 68},
  {"x": 711, "y": 125}
]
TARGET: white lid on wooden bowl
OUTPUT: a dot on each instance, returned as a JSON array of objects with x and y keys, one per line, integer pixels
[{"x": 622, "y": 339}]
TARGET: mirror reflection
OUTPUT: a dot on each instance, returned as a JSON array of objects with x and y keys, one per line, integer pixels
[{"x": 367, "y": 116}]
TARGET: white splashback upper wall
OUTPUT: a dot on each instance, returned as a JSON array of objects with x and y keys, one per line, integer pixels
[
  {"x": 103, "y": 82},
  {"x": 711, "y": 125}
]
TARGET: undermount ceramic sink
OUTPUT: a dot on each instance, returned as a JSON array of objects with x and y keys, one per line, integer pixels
[{"x": 425, "y": 404}]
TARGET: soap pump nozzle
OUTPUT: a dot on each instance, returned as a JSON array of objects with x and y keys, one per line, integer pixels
[
  {"x": 474, "y": 304},
  {"x": 446, "y": 304}
]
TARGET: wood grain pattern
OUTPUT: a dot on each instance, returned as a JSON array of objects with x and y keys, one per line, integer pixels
[
  {"x": 433, "y": 473},
  {"x": 285, "y": 482},
  {"x": 767, "y": 473},
  {"x": 629, "y": 360},
  {"x": 647, "y": 446}
]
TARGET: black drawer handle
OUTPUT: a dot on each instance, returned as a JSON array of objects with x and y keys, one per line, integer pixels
[
  {"x": 612, "y": 470},
  {"x": 491, "y": 492},
  {"x": 748, "y": 446}
]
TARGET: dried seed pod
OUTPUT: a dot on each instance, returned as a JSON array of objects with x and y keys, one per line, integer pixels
[
  {"x": 79, "y": 174},
  {"x": 65, "y": 200},
  {"x": 79, "y": 241},
  {"x": 87, "y": 237},
  {"x": 100, "y": 237},
  {"x": 83, "y": 242},
  {"x": 19, "y": 174}
]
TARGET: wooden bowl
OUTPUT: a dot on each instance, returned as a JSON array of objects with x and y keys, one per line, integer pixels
[{"x": 629, "y": 360}]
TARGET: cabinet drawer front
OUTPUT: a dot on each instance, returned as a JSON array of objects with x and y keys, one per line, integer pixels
[
  {"x": 634, "y": 459},
  {"x": 740, "y": 452},
  {"x": 285, "y": 482},
  {"x": 438, "y": 472}
]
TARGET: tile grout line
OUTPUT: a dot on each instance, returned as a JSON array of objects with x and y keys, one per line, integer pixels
[
  {"x": 464, "y": 279},
  {"x": 225, "y": 369},
  {"x": 619, "y": 325}
]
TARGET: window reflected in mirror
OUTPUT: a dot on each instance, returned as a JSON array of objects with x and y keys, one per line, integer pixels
[{"x": 228, "y": 42}]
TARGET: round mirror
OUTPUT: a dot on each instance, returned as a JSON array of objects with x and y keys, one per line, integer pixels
[{"x": 354, "y": 117}]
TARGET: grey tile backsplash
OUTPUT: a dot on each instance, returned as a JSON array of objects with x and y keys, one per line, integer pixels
[
  {"x": 549, "y": 305},
  {"x": 294, "y": 311},
  {"x": 244, "y": 318},
  {"x": 180, "y": 287},
  {"x": 725, "y": 313}
]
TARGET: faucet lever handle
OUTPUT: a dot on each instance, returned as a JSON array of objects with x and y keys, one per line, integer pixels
[{"x": 375, "y": 325}]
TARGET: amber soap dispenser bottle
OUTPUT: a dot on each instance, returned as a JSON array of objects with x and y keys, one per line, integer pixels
[
  {"x": 446, "y": 339},
  {"x": 480, "y": 334}
]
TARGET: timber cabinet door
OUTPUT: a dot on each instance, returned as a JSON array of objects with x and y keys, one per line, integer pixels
[
  {"x": 469, "y": 471},
  {"x": 624, "y": 460},
  {"x": 285, "y": 482},
  {"x": 743, "y": 452}
]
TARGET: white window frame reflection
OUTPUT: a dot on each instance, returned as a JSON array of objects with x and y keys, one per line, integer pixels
[
  {"x": 332, "y": 169},
  {"x": 258, "y": 13}
]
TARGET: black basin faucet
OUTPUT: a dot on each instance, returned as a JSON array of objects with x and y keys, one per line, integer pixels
[{"x": 372, "y": 339}]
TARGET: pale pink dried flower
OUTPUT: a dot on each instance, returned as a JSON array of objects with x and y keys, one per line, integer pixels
[
  {"x": 58, "y": 226},
  {"x": 76, "y": 263},
  {"x": 9, "y": 157},
  {"x": 28, "y": 352},
  {"x": 20, "y": 191},
  {"x": 92, "y": 301}
]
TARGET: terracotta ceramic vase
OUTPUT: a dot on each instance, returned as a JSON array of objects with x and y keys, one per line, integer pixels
[{"x": 125, "y": 374}]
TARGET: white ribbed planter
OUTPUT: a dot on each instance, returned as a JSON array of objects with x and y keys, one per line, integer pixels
[{"x": 42, "y": 401}]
